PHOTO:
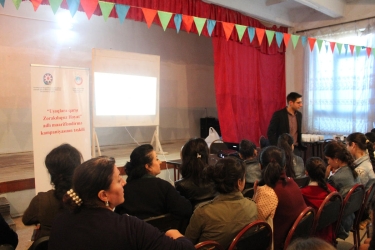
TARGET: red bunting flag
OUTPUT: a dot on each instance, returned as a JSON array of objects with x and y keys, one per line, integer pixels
[
  {"x": 286, "y": 39},
  {"x": 36, "y": 4},
  {"x": 89, "y": 6},
  {"x": 260, "y": 34},
  {"x": 311, "y": 42},
  {"x": 351, "y": 49},
  {"x": 228, "y": 28},
  {"x": 188, "y": 22},
  {"x": 332, "y": 44},
  {"x": 149, "y": 16},
  {"x": 368, "y": 50}
]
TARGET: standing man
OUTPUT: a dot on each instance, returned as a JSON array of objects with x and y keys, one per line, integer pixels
[{"x": 288, "y": 120}]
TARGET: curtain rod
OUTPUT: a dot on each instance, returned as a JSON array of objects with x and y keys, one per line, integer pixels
[{"x": 358, "y": 20}]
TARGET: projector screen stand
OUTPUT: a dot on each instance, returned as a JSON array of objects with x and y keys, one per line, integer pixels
[{"x": 155, "y": 137}]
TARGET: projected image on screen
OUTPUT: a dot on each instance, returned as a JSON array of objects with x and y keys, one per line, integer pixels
[{"x": 119, "y": 95}]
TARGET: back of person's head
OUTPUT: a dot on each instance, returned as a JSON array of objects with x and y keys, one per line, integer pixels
[
  {"x": 247, "y": 149},
  {"x": 89, "y": 178},
  {"x": 285, "y": 142},
  {"x": 337, "y": 150},
  {"x": 135, "y": 168},
  {"x": 226, "y": 173},
  {"x": 310, "y": 244},
  {"x": 363, "y": 143},
  {"x": 292, "y": 97},
  {"x": 373, "y": 130},
  {"x": 272, "y": 162},
  {"x": 371, "y": 137},
  {"x": 316, "y": 169},
  {"x": 61, "y": 162},
  {"x": 194, "y": 155}
]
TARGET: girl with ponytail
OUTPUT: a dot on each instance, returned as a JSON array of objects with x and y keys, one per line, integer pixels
[
  {"x": 317, "y": 190},
  {"x": 280, "y": 200}
]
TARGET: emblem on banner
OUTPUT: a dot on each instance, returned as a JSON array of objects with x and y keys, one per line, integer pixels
[
  {"x": 78, "y": 80},
  {"x": 47, "y": 79}
]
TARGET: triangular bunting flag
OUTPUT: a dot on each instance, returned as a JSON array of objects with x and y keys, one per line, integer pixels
[
  {"x": 304, "y": 40},
  {"x": 177, "y": 21},
  {"x": 240, "y": 31},
  {"x": 373, "y": 51},
  {"x": 16, "y": 3},
  {"x": 358, "y": 50},
  {"x": 311, "y": 43},
  {"x": 286, "y": 39},
  {"x": 2, "y": 2},
  {"x": 210, "y": 26},
  {"x": 270, "y": 34},
  {"x": 294, "y": 40},
  {"x": 326, "y": 45},
  {"x": 279, "y": 38},
  {"x": 73, "y": 6},
  {"x": 122, "y": 11},
  {"x": 339, "y": 46},
  {"x": 351, "y": 49},
  {"x": 368, "y": 50},
  {"x": 106, "y": 8},
  {"x": 228, "y": 28},
  {"x": 187, "y": 21},
  {"x": 35, "y": 3},
  {"x": 199, "y": 23},
  {"x": 55, "y": 4},
  {"x": 346, "y": 48},
  {"x": 89, "y": 6},
  {"x": 251, "y": 32},
  {"x": 319, "y": 42},
  {"x": 149, "y": 16},
  {"x": 260, "y": 34},
  {"x": 332, "y": 44},
  {"x": 164, "y": 17}
]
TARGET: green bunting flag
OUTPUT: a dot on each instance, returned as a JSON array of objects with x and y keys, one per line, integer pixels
[
  {"x": 164, "y": 17},
  {"x": 358, "y": 49},
  {"x": 55, "y": 4},
  {"x": 106, "y": 9},
  {"x": 294, "y": 40},
  {"x": 270, "y": 34},
  {"x": 319, "y": 42},
  {"x": 17, "y": 3},
  {"x": 339, "y": 46},
  {"x": 199, "y": 23},
  {"x": 240, "y": 30}
]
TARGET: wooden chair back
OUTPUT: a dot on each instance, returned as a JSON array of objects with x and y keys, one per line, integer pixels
[{"x": 209, "y": 245}]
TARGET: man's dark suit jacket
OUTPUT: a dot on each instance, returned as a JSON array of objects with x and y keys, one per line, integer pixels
[{"x": 279, "y": 125}]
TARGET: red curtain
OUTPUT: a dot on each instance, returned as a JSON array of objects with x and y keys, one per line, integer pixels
[{"x": 249, "y": 87}]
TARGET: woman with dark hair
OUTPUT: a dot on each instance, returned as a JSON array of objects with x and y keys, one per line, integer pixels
[
  {"x": 316, "y": 191},
  {"x": 248, "y": 153},
  {"x": 341, "y": 169},
  {"x": 44, "y": 207},
  {"x": 193, "y": 185},
  {"x": 357, "y": 144},
  {"x": 145, "y": 194},
  {"x": 342, "y": 176},
  {"x": 92, "y": 224},
  {"x": 310, "y": 243},
  {"x": 294, "y": 167},
  {"x": 280, "y": 200},
  {"x": 223, "y": 217}
]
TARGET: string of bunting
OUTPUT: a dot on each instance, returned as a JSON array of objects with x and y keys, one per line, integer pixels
[{"x": 89, "y": 7}]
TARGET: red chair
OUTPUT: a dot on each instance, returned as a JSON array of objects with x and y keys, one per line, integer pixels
[
  {"x": 365, "y": 205},
  {"x": 352, "y": 204},
  {"x": 209, "y": 245},
  {"x": 328, "y": 214},
  {"x": 302, "y": 227},
  {"x": 256, "y": 236}
]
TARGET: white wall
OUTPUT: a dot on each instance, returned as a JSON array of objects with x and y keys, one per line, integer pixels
[{"x": 28, "y": 37}]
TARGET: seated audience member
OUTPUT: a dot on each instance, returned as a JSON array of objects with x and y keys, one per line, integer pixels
[
  {"x": 193, "y": 186},
  {"x": 371, "y": 137},
  {"x": 44, "y": 207},
  {"x": 310, "y": 244},
  {"x": 363, "y": 153},
  {"x": 145, "y": 194},
  {"x": 316, "y": 191},
  {"x": 248, "y": 153},
  {"x": 223, "y": 217},
  {"x": 342, "y": 176},
  {"x": 294, "y": 167},
  {"x": 7, "y": 235},
  {"x": 92, "y": 224},
  {"x": 280, "y": 200}
]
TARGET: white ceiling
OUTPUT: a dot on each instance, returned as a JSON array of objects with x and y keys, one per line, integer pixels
[{"x": 294, "y": 13}]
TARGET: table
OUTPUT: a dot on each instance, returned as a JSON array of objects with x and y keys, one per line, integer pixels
[{"x": 176, "y": 164}]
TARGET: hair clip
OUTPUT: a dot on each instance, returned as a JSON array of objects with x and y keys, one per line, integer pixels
[{"x": 198, "y": 155}]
